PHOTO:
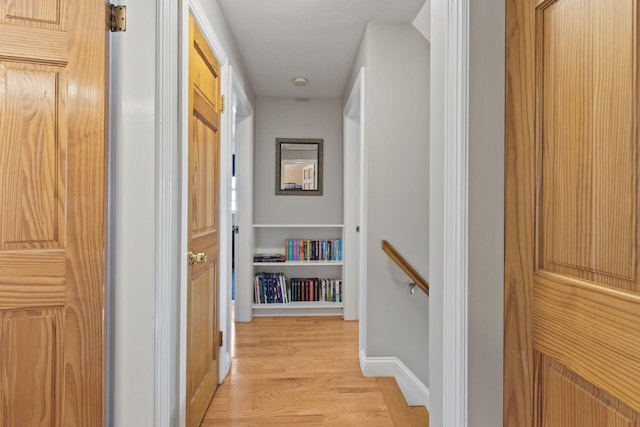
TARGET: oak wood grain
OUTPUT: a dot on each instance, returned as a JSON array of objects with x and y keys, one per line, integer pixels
[
  {"x": 206, "y": 70},
  {"x": 592, "y": 331},
  {"x": 421, "y": 415},
  {"x": 519, "y": 213},
  {"x": 596, "y": 408},
  {"x": 39, "y": 11},
  {"x": 571, "y": 235},
  {"x": 587, "y": 141},
  {"x": 205, "y": 179},
  {"x": 84, "y": 331},
  {"x": 52, "y": 212},
  {"x": 400, "y": 411},
  {"x": 294, "y": 371},
  {"x": 203, "y": 220},
  {"x": 31, "y": 366},
  {"x": 32, "y": 279},
  {"x": 33, "y": 156},
  {"x": 26, "y": 44}
]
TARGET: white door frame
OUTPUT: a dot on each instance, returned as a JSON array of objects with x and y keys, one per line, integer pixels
[
  {"x": 239, "y": 109},
  {"x": 244, "y": 135},
  {"x": 449, "y": 211},
  {"x": 237, "y": 104},
  {"x": 166, "y": 332},
  {"x": 171, "y": 226},
  {"x": 354, "y": 201},
  {"x": 194, "y": 8}
]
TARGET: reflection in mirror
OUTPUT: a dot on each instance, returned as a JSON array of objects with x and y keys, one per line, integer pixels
[
  {"x": 299, "y": 163},
  {"x": 298, "y": 166}
]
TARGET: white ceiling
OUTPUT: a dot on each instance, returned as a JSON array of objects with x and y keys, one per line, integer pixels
[{"x": 317, "y": 39}]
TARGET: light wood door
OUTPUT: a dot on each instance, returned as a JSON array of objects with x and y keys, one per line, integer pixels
[
  {"x": 572, "y": 321},
  {"x": 309, "y": 177},
  {"x": 203, "y": 219},
  {"x": 52, "y": 212}
]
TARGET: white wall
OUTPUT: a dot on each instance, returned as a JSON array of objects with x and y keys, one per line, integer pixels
[
  {"x": 486, "y": 212},
  {"x": 422, "y": 22},
  {"x": 396, "y": 58},
  {"x": 436, "y": 208},
  {"x": 133, "y": 95},
  {"x": 298, "y": 118},
  {"x": 221, "y": 28}
]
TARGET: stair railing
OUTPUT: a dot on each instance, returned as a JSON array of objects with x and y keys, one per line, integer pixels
[{"x": 417, "y": 279}]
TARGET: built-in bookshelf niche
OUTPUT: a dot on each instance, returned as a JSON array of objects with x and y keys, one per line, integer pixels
[{"x": 293, "y": 264}]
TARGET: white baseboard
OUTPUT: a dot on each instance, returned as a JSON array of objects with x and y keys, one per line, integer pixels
[
  {"x": 414, "y": 391},
  {"x": 227, "y": 366}
]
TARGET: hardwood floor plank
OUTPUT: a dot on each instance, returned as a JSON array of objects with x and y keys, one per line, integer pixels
[
  {"x": 421, "y": 415},
  {"x": 396, "y": 403},
  {"x": 290, "y": 371}
]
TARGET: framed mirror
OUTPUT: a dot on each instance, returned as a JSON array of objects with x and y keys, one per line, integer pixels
[{"x": 299, "y": 167}]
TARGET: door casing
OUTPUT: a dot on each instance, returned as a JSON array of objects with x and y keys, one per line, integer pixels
[{"x": 194, "y": 8}]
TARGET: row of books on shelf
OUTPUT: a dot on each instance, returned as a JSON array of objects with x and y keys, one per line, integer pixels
[
  {"x": 275, "y": 288},
  {"x": 314, "y": 250}
]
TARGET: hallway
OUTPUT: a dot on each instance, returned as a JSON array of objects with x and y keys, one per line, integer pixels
[{"x": 298, "y": 371}]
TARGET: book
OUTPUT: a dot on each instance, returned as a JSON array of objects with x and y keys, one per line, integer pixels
[{"x": 269, "y": 258}]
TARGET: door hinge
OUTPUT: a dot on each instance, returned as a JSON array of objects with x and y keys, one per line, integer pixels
[
  {"x": 222, "y": 104},
  {"x": 220, "y": 335},
  {"x": 116, "y": 18}
]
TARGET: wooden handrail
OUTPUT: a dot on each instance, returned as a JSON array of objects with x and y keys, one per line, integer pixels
[{"x": 413, "y": 274}]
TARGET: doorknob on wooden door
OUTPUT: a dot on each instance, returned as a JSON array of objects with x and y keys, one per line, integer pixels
[{"x": 197, "y": 258}]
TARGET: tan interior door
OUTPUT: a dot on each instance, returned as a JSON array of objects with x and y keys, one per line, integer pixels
[
  {"x": 572, "y": 321},
  {"x": 52, "y": 212},
  {"x": 203, "y": 238}
]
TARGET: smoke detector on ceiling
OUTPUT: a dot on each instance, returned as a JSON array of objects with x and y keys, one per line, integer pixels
[{"x": 300, "y": 81}]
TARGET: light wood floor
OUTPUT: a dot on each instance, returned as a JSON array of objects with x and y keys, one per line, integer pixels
[{"x": 290, "y": 371}]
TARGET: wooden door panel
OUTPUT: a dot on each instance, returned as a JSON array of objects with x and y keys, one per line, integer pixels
[
  {"x": 35, "y": 31},
  {"x": 202, "y": 334},
  {"x": 25, "y": 44},
  {"x": 206, "y": 74},
  {"x": 205, "y": 179},
  {"x": 572, "y": 297},
  {"x": 204, "y": 191},
  {"x": 591, "y": 331},
  {"x": 32, "y": 279},
  {"x": 587, "y": 140},
  {"x": 33, "y": 161},
  {"x": 593, "y": 408},
  {"x": 34, "y": 12},
  {"x": 52, "y": 212},
  {"x": 30, "y": 368},
  {"x": 205, "y": 69}
]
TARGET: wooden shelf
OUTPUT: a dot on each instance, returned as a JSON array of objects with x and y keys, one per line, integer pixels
[
  {"x": 269, "y": 238},
  {"x": 299, "y": 308},
  {"x": 300, "y": 304},
  {"x": 299, "y": 263}
]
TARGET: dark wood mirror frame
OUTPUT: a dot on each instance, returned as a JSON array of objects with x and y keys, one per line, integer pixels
[{"x": 296, "y": 192}]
